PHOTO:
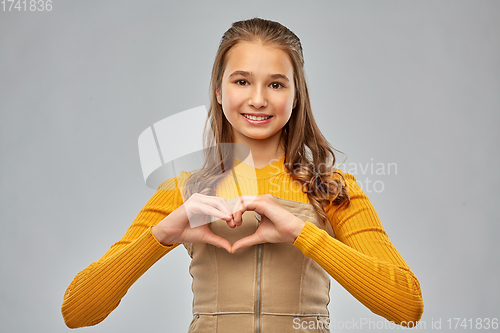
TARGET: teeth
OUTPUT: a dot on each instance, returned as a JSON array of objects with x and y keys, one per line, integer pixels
[{"x": 256, "y": 118}]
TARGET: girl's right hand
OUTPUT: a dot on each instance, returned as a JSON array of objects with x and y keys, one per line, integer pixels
[{"x": 176, "y": 227}]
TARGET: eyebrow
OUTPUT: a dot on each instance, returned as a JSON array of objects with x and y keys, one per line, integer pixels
[{"x": 246, "y": 74}]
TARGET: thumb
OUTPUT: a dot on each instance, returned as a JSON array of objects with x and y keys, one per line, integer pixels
[
  {"x": 247, "y": 242},
  {"x": 211, "y": 238}
]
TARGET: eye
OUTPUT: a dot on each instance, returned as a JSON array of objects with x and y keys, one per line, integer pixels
[
  {"x": 241, "y": 82},
  {"x": 276, "y": 85}
]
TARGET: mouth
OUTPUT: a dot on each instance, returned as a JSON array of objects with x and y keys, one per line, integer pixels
[{"x": 256, "y": 119}]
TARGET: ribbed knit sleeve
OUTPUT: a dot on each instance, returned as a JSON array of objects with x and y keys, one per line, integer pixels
[
  {"x": 363, "y": 260},
  {"x": 98, "y": 289}
]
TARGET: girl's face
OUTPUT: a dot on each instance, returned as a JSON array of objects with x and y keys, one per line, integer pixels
[{"x": 257, "y": 80}]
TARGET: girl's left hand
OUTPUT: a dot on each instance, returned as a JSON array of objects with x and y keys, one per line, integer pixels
[{"x": 277, "y": 224}]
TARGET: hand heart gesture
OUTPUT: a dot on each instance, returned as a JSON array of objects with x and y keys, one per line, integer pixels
[{"x": 277, "y": 224}]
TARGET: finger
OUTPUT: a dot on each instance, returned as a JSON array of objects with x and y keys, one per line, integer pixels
[
  {"x": 211, "y": 238},
  {"x": 221, "y": 204},
  {"x": 234, "y": 212},
  {"x": 240, "y": 207},
  {"x": 246, "y": 242},
  {"x": 218, "y": 203},
  {"x": 212, "y": 211},
  {"x": 231, "y": 224},
  {"x": 250, "y": 202},
  {"x": 237, "y": 218}
]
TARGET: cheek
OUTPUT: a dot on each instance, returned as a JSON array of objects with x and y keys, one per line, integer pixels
[
  {"x": 231, "y": 99},
  {"x": 284, "y": 105}
]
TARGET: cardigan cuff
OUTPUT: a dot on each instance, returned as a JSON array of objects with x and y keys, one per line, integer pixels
[
  {"x": 310, "y": 237},
  {"x": 159, "y": 245}
]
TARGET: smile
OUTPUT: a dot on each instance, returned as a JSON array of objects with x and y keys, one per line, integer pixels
[{"x": 256, "y": 118}]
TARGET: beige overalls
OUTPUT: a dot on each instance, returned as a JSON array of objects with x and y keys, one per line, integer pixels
[{"x": 266, "y": 288}]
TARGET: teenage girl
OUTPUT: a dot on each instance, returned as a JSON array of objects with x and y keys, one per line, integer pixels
[{"x": 285, "y": 219}]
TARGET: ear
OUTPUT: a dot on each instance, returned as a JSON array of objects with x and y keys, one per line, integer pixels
[
  {"x": 294, "y": 103},
  {"x": 219, "y": 98}
]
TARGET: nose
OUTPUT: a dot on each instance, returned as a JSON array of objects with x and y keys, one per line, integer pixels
[{"x": 258, "y": 98}]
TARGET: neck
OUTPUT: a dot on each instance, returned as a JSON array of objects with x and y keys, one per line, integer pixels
[{"x": 262, "y": 152}]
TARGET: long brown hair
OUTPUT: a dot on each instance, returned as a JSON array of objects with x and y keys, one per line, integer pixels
[{"x": 306, "y": 149}]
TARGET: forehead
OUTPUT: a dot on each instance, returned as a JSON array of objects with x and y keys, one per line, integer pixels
[{"x": 258, "y": 58}]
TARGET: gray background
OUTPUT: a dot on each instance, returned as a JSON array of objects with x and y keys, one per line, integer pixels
[{"x": 416, "y": 83}]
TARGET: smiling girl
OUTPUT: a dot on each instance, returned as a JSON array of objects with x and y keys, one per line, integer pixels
[{"x": 286, "y": 219}]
